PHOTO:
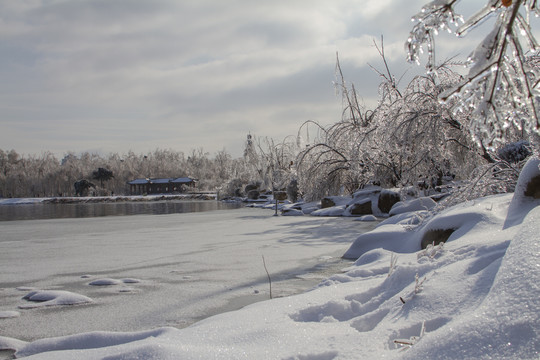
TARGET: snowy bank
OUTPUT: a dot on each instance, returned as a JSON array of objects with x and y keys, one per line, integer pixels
[
  {"x": 478, "y": 298},
  {"x": 475, "y": 296},
  {"x": 104, "y": 199}
]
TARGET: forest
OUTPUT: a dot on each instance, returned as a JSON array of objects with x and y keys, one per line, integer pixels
[{"x": 475, "y": 128}]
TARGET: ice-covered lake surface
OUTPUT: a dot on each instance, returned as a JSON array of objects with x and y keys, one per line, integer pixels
[{"x": 145, "y": 271}]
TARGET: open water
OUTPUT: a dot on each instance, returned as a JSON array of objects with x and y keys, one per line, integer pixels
[{"x": 38, "y": 211}]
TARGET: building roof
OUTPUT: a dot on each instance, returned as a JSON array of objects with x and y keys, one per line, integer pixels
[
  {"x": 180, "y": 180},
  {"x": 138, "y": 182},
  {"x": 183, "y": 180}
]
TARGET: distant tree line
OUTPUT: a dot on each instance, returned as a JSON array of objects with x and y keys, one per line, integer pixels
[{"x": 45, "y": 175}]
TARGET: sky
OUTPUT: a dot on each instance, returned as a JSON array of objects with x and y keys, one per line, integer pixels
[{"x": 131, "y": 75}]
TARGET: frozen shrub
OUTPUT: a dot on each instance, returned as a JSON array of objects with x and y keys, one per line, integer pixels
[
  {"x": 515, "y": 152},
  {"x": 292, "y": 190}
]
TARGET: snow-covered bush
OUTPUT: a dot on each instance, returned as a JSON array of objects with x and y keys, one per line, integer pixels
[
  {"x": 233, "y": 188},
  {"x": 409, "y": 138}
]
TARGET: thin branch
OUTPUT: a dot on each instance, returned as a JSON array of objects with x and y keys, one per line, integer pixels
[{"x": 267, "y": 274}]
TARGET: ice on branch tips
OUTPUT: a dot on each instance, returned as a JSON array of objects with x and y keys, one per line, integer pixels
[{"x": 502, "y": 83}]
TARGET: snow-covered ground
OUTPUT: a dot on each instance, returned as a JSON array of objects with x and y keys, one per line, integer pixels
[{"x": 475, "y": 297}]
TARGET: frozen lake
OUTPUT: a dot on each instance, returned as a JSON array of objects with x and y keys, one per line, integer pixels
[{"x": 185, "y": 267}]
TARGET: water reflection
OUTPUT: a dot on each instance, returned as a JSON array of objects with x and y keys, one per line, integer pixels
[{"x": 81, "y": 210}]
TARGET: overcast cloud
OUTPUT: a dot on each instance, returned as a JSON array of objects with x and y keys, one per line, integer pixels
[{"x": 120, "y": 75}]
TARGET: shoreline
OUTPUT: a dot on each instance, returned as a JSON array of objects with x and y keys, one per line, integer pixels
[{"x": 109, "y": 199}]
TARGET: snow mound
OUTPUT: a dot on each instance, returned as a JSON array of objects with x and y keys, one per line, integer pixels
[
  {"x": 419, "y": 204},
  {"x": 406, "y": 218},
  {"x": 53, "y": 298},
  {"x": 105, "y": 282},
  {"x": 112, "y": 282},
  {"x": 130, "y": 281},
  {"x": 506, "y": 324},
  {"x": 523, "y": 199},
  {"x": 9, "y": 314},
  {"x": 404, "y": 237},
  {"x": 367, "y": 218},
  {"x": 292, "y": 212},
  {"x": 7, "y": 343},
  {"x": 69, "y": 346},
  {"x": 330, "y": 211}
]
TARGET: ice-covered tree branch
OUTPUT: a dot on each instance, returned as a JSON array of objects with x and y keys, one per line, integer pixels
[{"x": 501, "y": 85}]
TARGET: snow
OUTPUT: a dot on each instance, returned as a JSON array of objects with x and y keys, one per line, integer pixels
[
  {"x": 9, "y": 314},
  {"x": 477, "y": 296},
  {"x": 419, "y": 204},
  {"x": 94, "y": 199},
  {"x": 104, "y": 282},
  {"x": 366, "y": 218},
  {"x": 330, "y": 211},
  {"x": 53, "y": 298},
  {"x": 109, "y": 281}
]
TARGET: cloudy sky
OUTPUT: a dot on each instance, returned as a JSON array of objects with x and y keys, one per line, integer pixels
[{"x": 119, "y": 75}]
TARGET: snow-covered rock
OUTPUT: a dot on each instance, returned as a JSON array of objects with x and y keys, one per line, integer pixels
[
  {"x": 528, "y": 185},
  {"x": 359, "y": 208},
  {"x": 331, "y": 201},
  {"x": 331, "y": 211},
  {"x": 291, "y": 212},
  {"x": 402, "y": 237},
  {"x": 423, "y": 203}
]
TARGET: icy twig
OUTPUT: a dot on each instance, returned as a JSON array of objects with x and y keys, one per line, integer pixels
[
  {"x": 431, "y": 251},
  {"x": 393, "y": 261},
  {"x": 267, "y": 274},
  {"x": 418, "y": 283},
  {"x": 413, "y": 339}
]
